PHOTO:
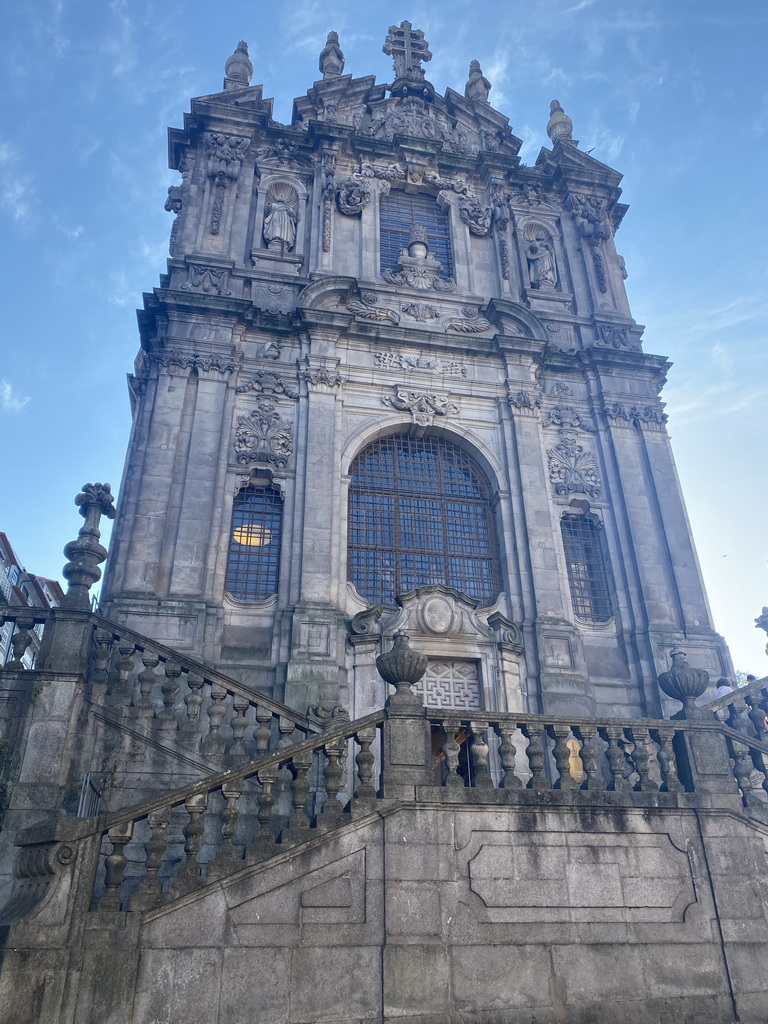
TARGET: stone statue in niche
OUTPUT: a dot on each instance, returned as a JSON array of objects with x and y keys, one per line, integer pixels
[
  {"x": 280, "y": 216},
  {"x": 541, "y": 257}
]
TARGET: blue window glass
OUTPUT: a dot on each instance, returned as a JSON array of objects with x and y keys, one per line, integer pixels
[
  {"x": 254, "y": 544},
  {"x": 399, "y": 212}
]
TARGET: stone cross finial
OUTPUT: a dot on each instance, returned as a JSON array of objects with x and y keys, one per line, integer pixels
[
  {"x": 559, "y": 126},
  {"x": 408, "y": 48},
  {"x": 238, "y": 69},
  {"x": 332, "y": 57},
  {"x": 85, "y": 553}
]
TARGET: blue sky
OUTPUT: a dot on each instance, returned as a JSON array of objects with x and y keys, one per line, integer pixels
[{"x": 672, "y": 93}]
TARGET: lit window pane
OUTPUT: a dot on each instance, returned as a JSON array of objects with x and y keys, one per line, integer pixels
[{"x": 254, "y": 545}]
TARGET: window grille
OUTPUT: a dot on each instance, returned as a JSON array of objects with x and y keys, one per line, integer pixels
[
  {"x": 420, "y": 513},
  {"x": 399, "y": 212},
  {"x": 587, "y": 572},
  {"x": 254, "y": 544}
]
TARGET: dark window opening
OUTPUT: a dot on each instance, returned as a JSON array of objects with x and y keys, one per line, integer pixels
[
  {"x": 587, "y": 571},
  {"x": 399, "y": 212},
  {"x": 420, "y": 513}
]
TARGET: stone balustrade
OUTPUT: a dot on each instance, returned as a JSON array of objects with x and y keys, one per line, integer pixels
[{"x": 180, "y": 841}]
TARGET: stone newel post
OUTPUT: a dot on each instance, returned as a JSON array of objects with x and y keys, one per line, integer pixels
[
  {"x": 406, "y": 737},
  {"x": 708, "y": 760},
  {"x": 86, "y": 553}
]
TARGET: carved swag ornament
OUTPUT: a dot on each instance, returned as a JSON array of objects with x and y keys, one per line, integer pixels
[
  {"x": 422, "y": 405},
  {"x": 264, "y": 436}
]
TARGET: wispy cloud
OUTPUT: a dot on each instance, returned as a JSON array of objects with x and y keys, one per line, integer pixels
[
  {"x": 10, "y": 400},
  {"x": 16, "y": 190}
]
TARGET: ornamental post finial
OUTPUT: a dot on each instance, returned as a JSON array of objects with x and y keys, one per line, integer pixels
[
  {"x": 238, "y": 69},
  {"x": 559, "y": 126},
  {"x": 85, "y": 553},
  {"x": 331, "y": 57}
]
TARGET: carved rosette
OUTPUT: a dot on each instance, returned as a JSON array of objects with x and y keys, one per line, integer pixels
[
  {"x": 422, "y": 405},
  {"x": 264, "y": 436},
  {"x": 353, "y": 194},
  {"x": 572, "y": 468}
]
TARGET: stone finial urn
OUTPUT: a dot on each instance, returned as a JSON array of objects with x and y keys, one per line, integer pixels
[
  {"x": 559, "y": 126},
  {"x": 401, "y": 666},
  {"x": 684, "y": 683}
]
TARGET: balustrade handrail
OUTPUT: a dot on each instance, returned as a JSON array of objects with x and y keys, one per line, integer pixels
[
  {"x": 168, "y": 654},
  {"x": 208, "y": 675},
  {"x": 748, "y": 690},
  {"x": 341, "y": 729},
  {"x": 742, "y": 737},
  {"x": 524, "y": 717}
]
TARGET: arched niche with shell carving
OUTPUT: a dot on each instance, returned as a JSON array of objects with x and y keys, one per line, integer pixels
[
  {"x": 281, "y": 216},
  {"x": 540, "y": 256}
]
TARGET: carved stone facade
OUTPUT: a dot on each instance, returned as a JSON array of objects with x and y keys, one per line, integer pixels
[
  {"x": 385, "y": 268},
  {"x": 368, "y": 725}
]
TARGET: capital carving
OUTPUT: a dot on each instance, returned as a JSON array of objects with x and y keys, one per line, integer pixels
[{"x": 268, "y": 382}]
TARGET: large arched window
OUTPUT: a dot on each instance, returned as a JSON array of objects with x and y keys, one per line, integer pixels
[
  {"x": 587, "y": 567},
  {"x": 420, "y": 513},
  {"x": 254, "y": 544},
  {"x": 399, "y": 212}
]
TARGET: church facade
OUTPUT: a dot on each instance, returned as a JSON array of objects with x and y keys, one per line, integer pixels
[
  {"x": 378, "y": 719},
  {"x": 391, "y": 381}
]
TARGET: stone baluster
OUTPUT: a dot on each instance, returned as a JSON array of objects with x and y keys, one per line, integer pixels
[
  {"x": 667, "y": 761},
  {"x": 287, "y": 728},
  {"x": 118, "y": 690},
  {"x": 743, "y": 769},
  {"x": 147, "y": 680},
  {"x": 115, "y": 864},
  {"x": 588, "y": 755},
  {"x": 20, "y": 641},
  {"x": 170, "y": 690},
  {"x": 365, "y": 794},
  {"x": 535, "y": 754},
  {"x": 262, "y": 734},
  {"x": 102, "y": 652},
  {"x": 616, "y": 759},
  {"x": 193, "y": 699},
  {"x": 507, "y": 752},
  {"x": 150, "y": 890},
  {"x": 562, "y": 755},
  {"x": 188, "y": 875},
  {"x": 641, "y": 759},
  {"x": 334, "y": 753},
  {"x": 478, "y": 752},
  {"x": 300, "y": 765},
  {"x": 214, "y": 742},
  {"x": 227, "y": 858},
  {"x": 239, "y": 723},
  {"x": 263, "y": 840},
  {"x": 756, "y": 716},
  {"x": 452, "y": 751}
]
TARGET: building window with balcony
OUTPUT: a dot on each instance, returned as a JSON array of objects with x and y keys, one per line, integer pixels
[{"x": 399, "y": 213}]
